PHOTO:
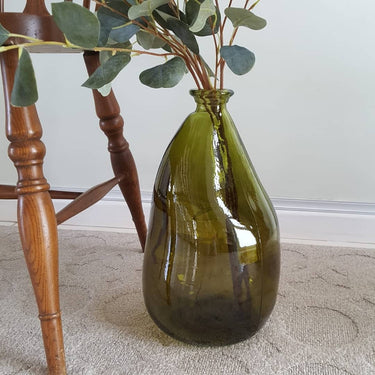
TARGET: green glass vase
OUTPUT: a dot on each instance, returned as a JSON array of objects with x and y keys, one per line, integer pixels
[{"x": 212, "y": 257}]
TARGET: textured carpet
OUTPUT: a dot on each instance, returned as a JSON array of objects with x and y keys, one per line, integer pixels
[{"x": 323, "y": 322}]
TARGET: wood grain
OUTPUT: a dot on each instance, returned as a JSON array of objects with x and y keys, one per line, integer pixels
[
  {"x": 112, "y": 124},
  {"x": 36, "y": 216},
  {"x": 9, "y": 192},
  {"x": 86, "y": 199}
]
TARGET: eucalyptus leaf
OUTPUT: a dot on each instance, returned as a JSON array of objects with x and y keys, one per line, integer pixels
[
  {"x": 80, "y": 26},
  {"x": 106, "y": 89},
  {"x": 4, "y": 35},
  {"x": 212, "y": 23},
  {"x": 166, "y": 75},
  {"x": 206, "y": 9},
  {"x": 181, "y": 30},
  {"x": 162, "y": 13},
  {"x": 118, "y": 7},
  {"x": 243, "y": 17},
  {"x": 148, "y": 41},
  {"x": 167, "y": 48},
  {"x": 108, "y": 71},
  {"x": 145, "y": 9},
  {"x": 109, "y": 18},
  {"x": 116, "y": 17},
  {"x": 103, "y": 36},
  {"x": 24, "y": 91},
  {"x": 162, "y": 17},
  {"x": 106, "y": 55},
  {"x": 239, "y": 59},
  {"x": 124, "y": 45},
  {"x": 124, "y": 32}
]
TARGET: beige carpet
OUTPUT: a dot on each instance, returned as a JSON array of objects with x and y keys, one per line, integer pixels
[{"x": 323, "y": 322}]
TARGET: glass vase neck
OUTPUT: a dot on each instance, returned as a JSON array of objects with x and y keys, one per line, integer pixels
[{"x": 208, "y": 100}]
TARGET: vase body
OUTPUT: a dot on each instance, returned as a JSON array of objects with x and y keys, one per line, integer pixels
[{"x": 212, "y": 257}]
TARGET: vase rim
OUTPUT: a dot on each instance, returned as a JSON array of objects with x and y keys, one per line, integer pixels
[
  {"x": 220, "y": 92},
  {"x": 211, "y": 97}
]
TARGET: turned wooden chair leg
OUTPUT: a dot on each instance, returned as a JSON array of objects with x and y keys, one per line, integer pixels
[
  {"x": 36, "y": 216},
  {"x": 112, "y": 124}
]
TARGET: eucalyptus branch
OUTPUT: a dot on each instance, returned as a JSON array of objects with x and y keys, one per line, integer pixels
[
  {"x": 32, "y": 44},
  {"x": 121, "y": 21},
  {"x": 221, "y": 62},
  {"x": 217, "y": 51},
  {"x": 236, "y": 28},
  {"x": 205, "y": 73},
  {"x": 183, "y": 52},
  {"x": 193, "y": 62},
  {"x": 193, "y": 74},
  {"x": 12, "y": 35},
  {"x": 103, "y": 4},
  {"x": 199, "y": 71},
  {"x": 138, "y": 52},
  {"x": 252, "y": 6},
  {"x": 225, "y": 18}
]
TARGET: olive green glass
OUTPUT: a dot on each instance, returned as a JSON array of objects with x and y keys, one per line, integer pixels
[{"x": 212, "y": 258}]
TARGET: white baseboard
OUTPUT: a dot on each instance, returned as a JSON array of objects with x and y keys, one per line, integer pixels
[
  {"x": 312, "y": 221},
  {"x": 329, "y": 221}
]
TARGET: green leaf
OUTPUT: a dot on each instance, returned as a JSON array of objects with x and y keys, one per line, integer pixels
[
  {"x": 206, "y": 9},
  {"x": 124, "y": 45},
  {"x": 106, "y": 55},
  {"x": 114, "y": 24},
  {"x": 4, "y": 35},
  {"x": 145, "y": 9},
  {"x": 162, "y": 13},
  {"x": 106, "y": 89},
  {"x": 181, "y": 30},
  {"x": 103, "y": 36},
  {"x": 166, "y": 75},
  {"x": 123, "y": 33},
  {"x": 80, "y": 26},
  {"x": 239, "y": 59},
  {"x": 108, "y": 71},
  {"x": 109, "y": 19},
  {"x": 212, "y": 23},
  {"x": 161, "y": 17},
  {"x": 148, "y": 41},
  {"x": 167, "y": 48},
  {"x": 117, "y": 8},
  {"x": 243, "y": 17},
  {"x": 24, "y": 91}
]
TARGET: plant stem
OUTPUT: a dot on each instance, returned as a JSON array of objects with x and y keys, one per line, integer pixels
[
  {"x": 254, "y": 5},
  {"x": 221, "y": 62},
  {"x": 139, "y": 52},
  {"x": 207, "y": 81},
  {"x": 217, "y": 52},
  {"x": 191, "y": 62},
  {"x": 192, "y": 72},
  {"x": 12, "y": 35},
  {"x": 221, "y": 41},
  {"x": 24, "y": 45},
  {"x": 225, "y": 18},
  {"x": 236, "y": 29}
]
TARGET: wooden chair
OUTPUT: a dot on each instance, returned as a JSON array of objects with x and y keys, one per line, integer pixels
[{"x": 37, "y": 220}]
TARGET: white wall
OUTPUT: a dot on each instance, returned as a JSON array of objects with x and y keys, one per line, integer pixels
[{"x": 306, "y": 112}]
